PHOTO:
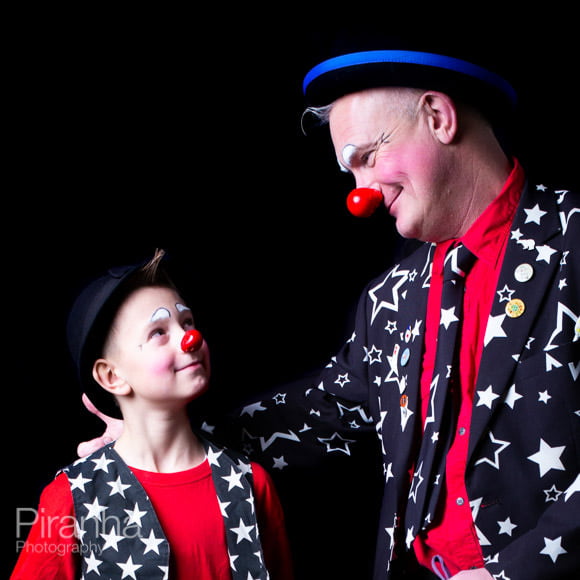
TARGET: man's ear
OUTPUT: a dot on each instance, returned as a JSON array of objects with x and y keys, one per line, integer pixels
[
  {"x": 105, "y": 373},
  {"x": 441, "y": 115}
]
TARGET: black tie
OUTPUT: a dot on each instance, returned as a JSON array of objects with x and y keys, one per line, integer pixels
[{"x": 440, "y": 420}]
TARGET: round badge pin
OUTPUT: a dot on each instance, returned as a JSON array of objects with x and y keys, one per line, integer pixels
[
  {"x": 524, "y": 272},
  {"x": 515, "y": 308}
]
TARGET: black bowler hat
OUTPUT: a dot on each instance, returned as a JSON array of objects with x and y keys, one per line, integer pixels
[
  {"x": 368, "y": 60},
  {"x": 88, "y": 324}
]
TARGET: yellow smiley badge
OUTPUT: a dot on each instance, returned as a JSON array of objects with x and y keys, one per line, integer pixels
[{"x": 515, "y": 308}]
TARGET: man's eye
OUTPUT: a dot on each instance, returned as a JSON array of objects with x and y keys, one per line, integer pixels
[
  {"x": 365, "y": 158},
  {"x": 158, "y": 332}
]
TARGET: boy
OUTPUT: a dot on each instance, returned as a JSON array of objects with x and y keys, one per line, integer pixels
[{"x": 161, "y": 501}]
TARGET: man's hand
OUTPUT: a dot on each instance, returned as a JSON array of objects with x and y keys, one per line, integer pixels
[
  {"x": 114, "y": 428},
  {"x": 479, "y": 574}
]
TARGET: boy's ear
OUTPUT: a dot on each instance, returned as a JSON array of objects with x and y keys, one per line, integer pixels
[{"x": 105, "y": 373}]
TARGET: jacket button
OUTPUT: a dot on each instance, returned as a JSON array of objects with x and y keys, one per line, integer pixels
[{"x": 459, "y": 501}]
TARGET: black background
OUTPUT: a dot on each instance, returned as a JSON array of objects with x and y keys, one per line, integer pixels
[{"x": 129, "y": 132}]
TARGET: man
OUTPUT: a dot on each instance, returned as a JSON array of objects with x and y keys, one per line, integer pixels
[{"x": 479, "y": 441}]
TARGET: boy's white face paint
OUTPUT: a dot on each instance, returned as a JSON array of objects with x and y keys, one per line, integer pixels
[{"x": 160, "y": 314}]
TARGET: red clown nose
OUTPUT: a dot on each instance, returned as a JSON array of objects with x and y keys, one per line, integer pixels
[
  {"x": 191, "y": 341},
  {"x": 363, "y": 201}
]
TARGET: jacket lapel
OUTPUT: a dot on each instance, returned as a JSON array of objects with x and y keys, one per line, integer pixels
[{"x": 532, "y": 258}]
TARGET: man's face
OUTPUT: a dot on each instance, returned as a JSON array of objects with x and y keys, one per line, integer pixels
[{"x": 382, "y": 138}]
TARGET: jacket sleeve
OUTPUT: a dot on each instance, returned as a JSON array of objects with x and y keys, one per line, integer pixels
[{"x": 322, "y": 415}]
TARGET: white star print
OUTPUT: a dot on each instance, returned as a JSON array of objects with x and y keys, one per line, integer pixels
[
  {"x": 135, "y": 516},
  {"x": 118, "y": 487},
  {"x": 373, "y": 355},
  {"x": 243, "y": 532},
  {"x": 279, "y": 463},
  {"x": 418, "y": 480},
  {"x": 405, "y": 416},
  {"x": 505, "y": 294},
  {"x": 342, "y": 380},
  {"x": 102, "y": 463},
  {"x": 280, "y": 398},
  {"x": 534, "y": 215},
  {"x": 213, "y": 456},
  {"x": 394, "y": 305},
  {"x": 494, "y": 329},
  {"x": 553, "y": 548},
  {"x": 516, "y": 234},
  {"x": 233, "y": 479},
  {"x": 165, "y": 570},
  {"x": 253, "y": 408},
  {"x": 548, "y": 458},
  {"x": 486, "y": 397},
  {"x": 78, "y": 482},
  {"x": 501, "y": 446},
  {"x": 344, "y": 448},
  {"x": 152, "y": 543},
  {"x": 512, "y": 396},
  {"x": 448, "y": 316},
  {"x": 506, "y": 527},
  {"x": 223, "y": 507},
  {"x": 93, "y": 564},
  {"x": 129, "y": 568},
  {"x": 95, "y": 509},
  {"x": 565, "y": 219},
  {"x": 112, "y": 539},
  {"x": 233, "y": 558},
  {"x": 205, "y": 426},
  {"x": 544, "y": 396},
  {"x": 544, "y": 253},
  {"x": 552, "y": 494},
  {"x": 410, "y": 537},
  {"x": 574, "y": 488}
]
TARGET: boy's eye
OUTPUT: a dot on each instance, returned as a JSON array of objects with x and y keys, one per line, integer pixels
[{"x": 157, "y": 333}]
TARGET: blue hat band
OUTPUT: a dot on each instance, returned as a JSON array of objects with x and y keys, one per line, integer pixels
[{"x": 414, "y": 58}]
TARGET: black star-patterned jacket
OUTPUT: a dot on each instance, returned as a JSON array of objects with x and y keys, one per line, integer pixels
[{"x": 524, "y": 451}]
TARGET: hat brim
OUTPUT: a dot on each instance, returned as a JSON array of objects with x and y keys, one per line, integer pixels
[{"x": 462, "y": 80}]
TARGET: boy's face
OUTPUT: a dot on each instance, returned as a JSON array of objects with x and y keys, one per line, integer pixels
[{"x": 145, "y": 348}]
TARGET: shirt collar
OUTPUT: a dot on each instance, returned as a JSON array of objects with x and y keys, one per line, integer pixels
[{"x": 486, "y": 237}]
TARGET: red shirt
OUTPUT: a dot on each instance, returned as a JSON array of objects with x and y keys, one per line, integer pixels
[
  {"x": 187, "y": 507},
  {"x": 454, "y": 537}
]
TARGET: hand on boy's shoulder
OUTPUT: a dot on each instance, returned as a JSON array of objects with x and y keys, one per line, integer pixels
[{"x": 113, "y": 430}]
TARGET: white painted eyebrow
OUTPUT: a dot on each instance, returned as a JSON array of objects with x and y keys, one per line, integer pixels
[
  {"x": 182, "y": 307},
  {"x": 160, "y": 314},
  {"x": 348, "y": 152}
]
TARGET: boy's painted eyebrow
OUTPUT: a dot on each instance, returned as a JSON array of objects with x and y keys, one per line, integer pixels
[
  {"x": 160, "y": 314},
  {"x": 182, "y": 308}
]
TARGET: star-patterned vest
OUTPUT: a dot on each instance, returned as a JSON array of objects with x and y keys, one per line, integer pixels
[{"x": 120, "y": 534}]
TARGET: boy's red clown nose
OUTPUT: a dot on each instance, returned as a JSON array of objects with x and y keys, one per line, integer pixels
[
  {"x": 363, "y": 201},
  {"x": 191, "y": 341}
]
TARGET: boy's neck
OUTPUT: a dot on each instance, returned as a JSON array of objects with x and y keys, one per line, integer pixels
[{"x": 159, "y": 442}]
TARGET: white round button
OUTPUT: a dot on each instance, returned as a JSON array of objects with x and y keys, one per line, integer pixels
[{"x": 524, "y": 272}]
